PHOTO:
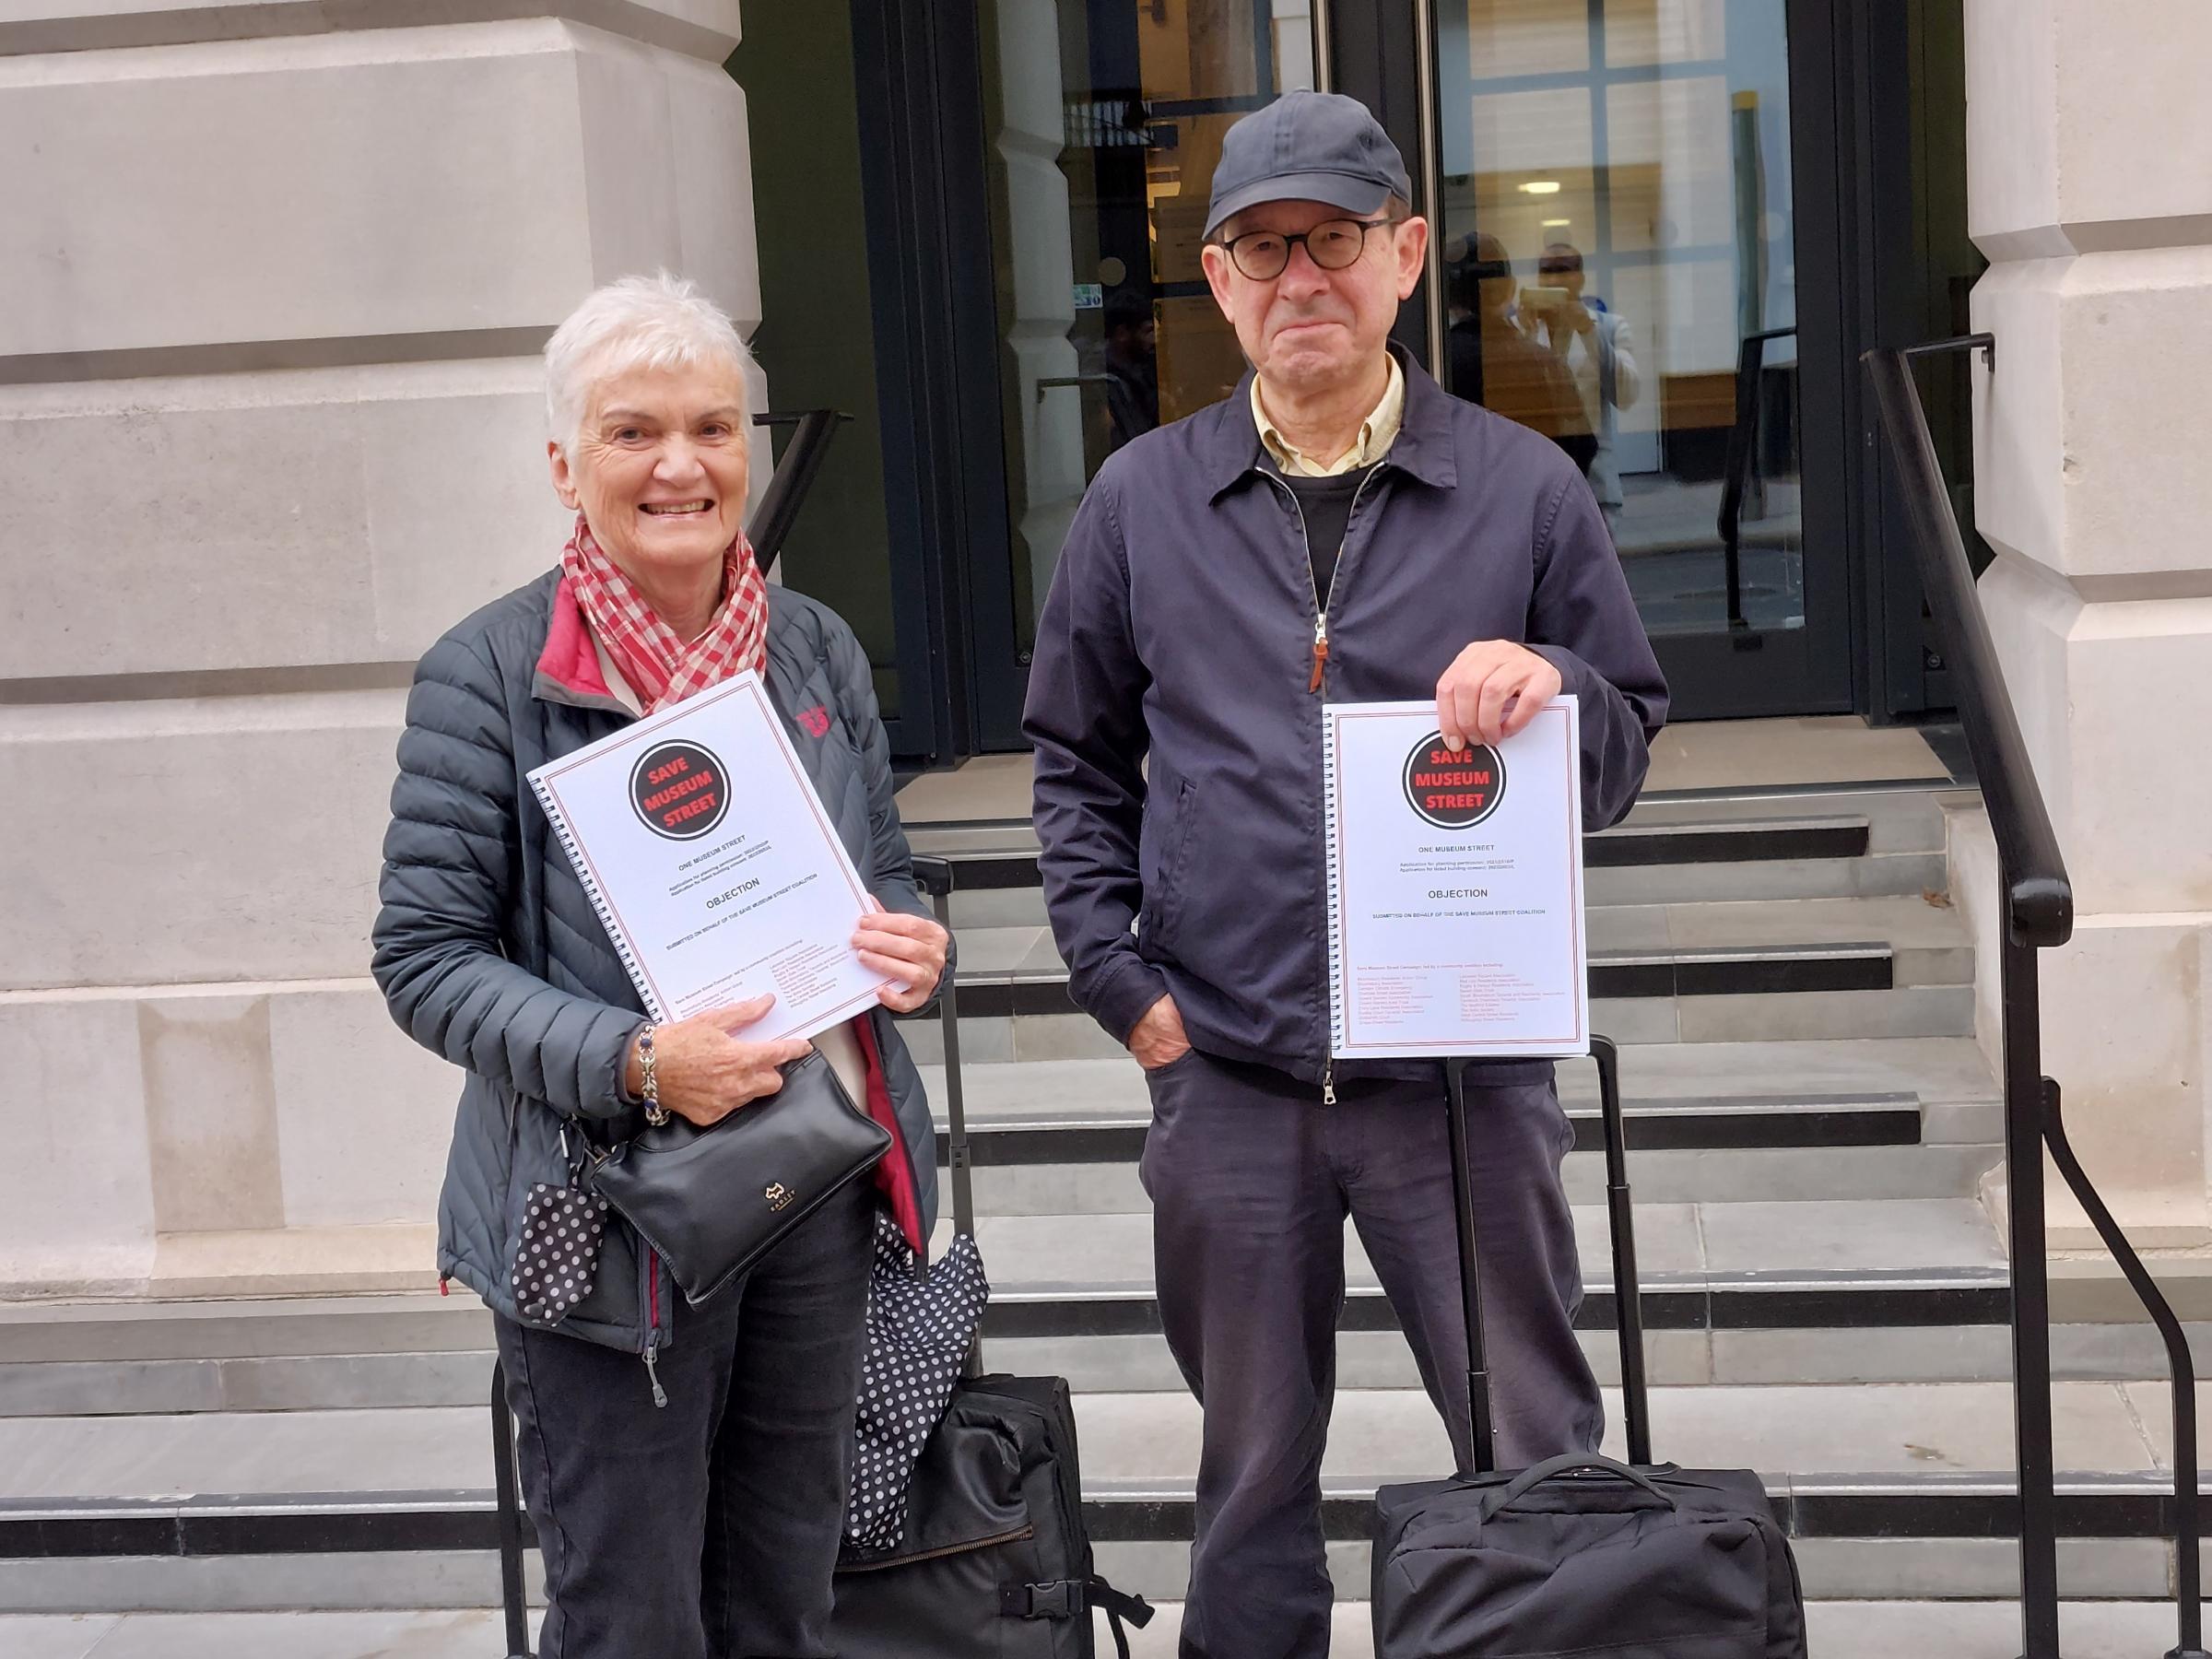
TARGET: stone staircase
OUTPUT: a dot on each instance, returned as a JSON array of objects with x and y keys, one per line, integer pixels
[{"x": 1825, "y": 1296}]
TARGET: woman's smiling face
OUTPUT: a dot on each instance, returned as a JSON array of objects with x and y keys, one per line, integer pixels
[{"x": 659, "y": 466}]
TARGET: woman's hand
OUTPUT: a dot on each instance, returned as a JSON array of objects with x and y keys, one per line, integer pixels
[
  {"x": 909, "y": 948},
  {"x": 706, "y": 1071}
]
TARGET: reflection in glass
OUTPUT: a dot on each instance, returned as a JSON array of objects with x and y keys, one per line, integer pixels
[
  {"x": 1615, "y": 225},
  {"x": 1105, "y": 119}
]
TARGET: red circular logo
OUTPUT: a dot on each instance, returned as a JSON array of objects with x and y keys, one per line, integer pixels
[
  {"x": 680, "y": 790},
  {"x": 1453, "y": 791}
]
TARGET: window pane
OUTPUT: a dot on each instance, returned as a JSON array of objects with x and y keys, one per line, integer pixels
[
  {"x": 1609, "y": 244},
  {"x": 1105, "y": 120},
  {"x": 1519, "y": 37},
  {"x": 1640, "y": 32}
]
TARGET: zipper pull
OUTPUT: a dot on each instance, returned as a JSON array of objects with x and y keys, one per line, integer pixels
[
  {"x": 1328, "y": 1083},
  {"x": 653, "y": 1353},
  {"x": 1321, "y": 649}
]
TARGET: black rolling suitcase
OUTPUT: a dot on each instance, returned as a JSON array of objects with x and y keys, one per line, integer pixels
[
  {"x": 994, "y": 1559},
  {"x": 1580, "y": 1555}
]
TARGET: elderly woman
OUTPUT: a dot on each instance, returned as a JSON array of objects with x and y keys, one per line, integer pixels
[{"x": 687, "y": 1467}]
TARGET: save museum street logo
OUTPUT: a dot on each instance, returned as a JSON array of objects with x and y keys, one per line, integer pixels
[
  {"x": 1453, "y": 791},
  {"x": 679, "y": 790}
]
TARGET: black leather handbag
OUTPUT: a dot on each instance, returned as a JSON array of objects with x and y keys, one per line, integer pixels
[{"x": 714, "y": 1201}]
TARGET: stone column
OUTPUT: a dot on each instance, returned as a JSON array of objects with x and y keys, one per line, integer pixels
[
  {"x": 1029, "y": 133},
  {"x": 271, "y": 419},
  {"x": 2089, "y": 162}
]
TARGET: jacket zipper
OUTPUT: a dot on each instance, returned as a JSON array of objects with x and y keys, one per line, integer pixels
[
  {"x": 1322, "y": 605},
  {"x": 1321, "y": 649},
  {"x": 653, "y": 1337}
]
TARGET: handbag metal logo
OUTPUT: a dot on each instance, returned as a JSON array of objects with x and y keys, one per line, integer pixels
[{"x": 778, "y": 1195}]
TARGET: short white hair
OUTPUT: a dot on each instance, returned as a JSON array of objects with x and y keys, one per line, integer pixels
[{"x": 657, "y": 321}]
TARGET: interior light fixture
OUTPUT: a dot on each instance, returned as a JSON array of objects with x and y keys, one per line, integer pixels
[
  {"x": 1541, "y": 187},
  {"x": 1556, "y": 224}
]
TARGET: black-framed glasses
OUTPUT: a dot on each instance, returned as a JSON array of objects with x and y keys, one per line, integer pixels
[{"x": 1334, "y": 245}]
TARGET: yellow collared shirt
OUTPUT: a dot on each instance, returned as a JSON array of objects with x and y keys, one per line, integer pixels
[{"x": 1377, "y": 432}]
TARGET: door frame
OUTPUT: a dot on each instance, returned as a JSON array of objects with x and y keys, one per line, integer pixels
[{"x": 1858, "y": 285}]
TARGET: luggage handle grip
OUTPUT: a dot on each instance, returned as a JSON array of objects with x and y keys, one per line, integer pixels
[{"x": 1529, "y": 1479}]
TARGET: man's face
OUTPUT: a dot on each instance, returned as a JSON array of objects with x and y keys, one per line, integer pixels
[
  {"x": 1561, "y": 271},
  {"x": 1308, "y": 328}
]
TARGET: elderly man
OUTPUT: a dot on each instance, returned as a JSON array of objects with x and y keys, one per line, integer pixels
[{"x": 1338, "y": 530}]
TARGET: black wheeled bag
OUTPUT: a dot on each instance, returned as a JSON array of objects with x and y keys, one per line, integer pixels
[
  {"x": 994, "y": 1560},
  {"x": 1579, "y": 1555}
]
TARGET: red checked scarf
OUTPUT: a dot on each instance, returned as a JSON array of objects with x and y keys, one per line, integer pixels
[{"x": 660, "y": 668}]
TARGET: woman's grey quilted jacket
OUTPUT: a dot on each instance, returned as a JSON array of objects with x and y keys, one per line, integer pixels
[{"x": 490, "y": 954}]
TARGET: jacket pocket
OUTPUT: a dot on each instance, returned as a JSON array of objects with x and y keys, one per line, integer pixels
[{"x": 1163, "y": 866}]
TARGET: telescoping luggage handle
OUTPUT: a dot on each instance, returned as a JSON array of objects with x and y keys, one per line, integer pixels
[
  {"x": 934, "y": 876},
  {"x": 793, "y": 477},
  {"x": 1627, "y": 1306},
  {"x": 510, "y": 1517}
]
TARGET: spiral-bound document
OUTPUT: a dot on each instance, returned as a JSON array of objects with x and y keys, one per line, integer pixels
[
  {"x": 1455, "y": 886},
  {"x": 714, "y": 867}
]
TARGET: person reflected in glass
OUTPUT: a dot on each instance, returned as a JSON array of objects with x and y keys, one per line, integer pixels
[
  {"x": 1599, "y": 350},
  {"x": 1132, "y": 366},
  {"x": 1495, "y": 362}
]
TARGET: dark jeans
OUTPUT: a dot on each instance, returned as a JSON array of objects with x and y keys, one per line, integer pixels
[
  {"x": 706, "y": 1529},
  {"x": 1250, "y": 1179}
]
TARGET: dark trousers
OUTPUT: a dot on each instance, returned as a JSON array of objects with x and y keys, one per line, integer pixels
[
  {"x": 707, "y": 1528},
  {"x": 1250, "y": 1179}
]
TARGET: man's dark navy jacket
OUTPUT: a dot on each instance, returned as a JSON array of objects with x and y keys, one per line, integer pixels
[{"x": 1181, "y": 624}]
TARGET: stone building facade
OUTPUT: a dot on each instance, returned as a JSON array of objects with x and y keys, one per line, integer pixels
[
  {"x": 272, "y": 278},
  {"x": 275, "y": 275},
  {"x": 2089, "y": 172}
]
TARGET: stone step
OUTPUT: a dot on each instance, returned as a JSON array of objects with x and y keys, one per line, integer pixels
[
  {"x": 1914, "y": 1118},
  {"x": 173, "y": 1473},
  {"x": 1836, "y": 1630},
  {"x": 1638, "y": 951},
  {"x": 1901, "y": 1290},
  {"x": 1854, "y": 1297},
  {"x": 1830, "y": 844},
  {"x": 1868, "y": 1337},
  {"x": 1947, "y": 1076},
  {"x": 1042, "y": 1184},
  {"x": 1901, "y": 815},
  {"x": 1786, "y": 1017},
  {"x": 1037, "y": 1185},
  {"x": 464, "y": 1576},
  {"x": 1878, "y": 1485}
]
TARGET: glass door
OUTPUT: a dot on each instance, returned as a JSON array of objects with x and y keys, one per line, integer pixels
[
  {"x": 1103, "y": 121},
  {"x": 1624, "y": 269}
]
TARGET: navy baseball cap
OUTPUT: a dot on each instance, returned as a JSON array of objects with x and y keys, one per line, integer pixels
[{"x": 1307, "y": 146}]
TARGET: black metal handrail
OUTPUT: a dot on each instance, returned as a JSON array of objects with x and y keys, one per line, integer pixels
[
  {"x": 794, "y": 476},
  {"x": 2036, "y": 908},
  {"x": 2041, "y": 900},
  {"x": 1735, "y": 476}
]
